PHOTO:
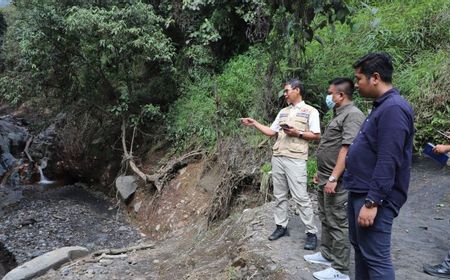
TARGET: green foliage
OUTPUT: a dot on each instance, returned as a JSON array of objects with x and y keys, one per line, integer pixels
[
  {"x": 201, "y": 64},
  {"x": 192, "y": 116},
  {"x": 238, "y": 87},
  {"x": 210, "y": 108},
  {"x": 121, "y": 41},
  {"x": 311, "y": 169},
  {"x": 266, "y": 167},
  {"x": 416, "y": 34},
  {"x": 101, "y": 54},
  {"x": 295, "y": 25},
  {"x": 426, "y": 84}
]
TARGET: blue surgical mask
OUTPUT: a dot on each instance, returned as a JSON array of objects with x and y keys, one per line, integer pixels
[{"x": 329, "y": 101}]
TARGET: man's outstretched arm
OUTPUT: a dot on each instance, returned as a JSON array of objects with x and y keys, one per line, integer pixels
[{"x": 264, "y": 129}]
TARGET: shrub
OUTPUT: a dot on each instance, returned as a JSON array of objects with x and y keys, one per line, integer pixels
[
  {"x": 192, "y": 116},
  {"x": 311, "y": 168},
  {"x": 211, "y": 106},
  {"x": 426, "y": 85},
  {"x": 416, "y": 34}
]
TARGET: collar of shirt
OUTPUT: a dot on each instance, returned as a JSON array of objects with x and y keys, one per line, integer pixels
[
  {"x": 377, "y": 102},
  {"x": 341, "y": 109},
  {"x": 299, "y": 105}
]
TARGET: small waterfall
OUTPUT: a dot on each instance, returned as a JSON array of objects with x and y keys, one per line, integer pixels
[{"x": 41, "y": 167}]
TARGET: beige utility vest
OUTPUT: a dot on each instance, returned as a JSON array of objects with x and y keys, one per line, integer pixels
[{"x": 290, "y": 146}]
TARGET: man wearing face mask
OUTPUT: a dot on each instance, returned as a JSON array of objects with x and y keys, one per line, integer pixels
[
  {"x": 378, "y": 167},
  {"x": 293, "y": 127},
  {"x": 332, "y": 197}
]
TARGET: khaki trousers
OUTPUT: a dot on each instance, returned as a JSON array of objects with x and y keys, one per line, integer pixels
[
  {"x": 335, "y": 243},
  {"x": 289, "y": 175}
]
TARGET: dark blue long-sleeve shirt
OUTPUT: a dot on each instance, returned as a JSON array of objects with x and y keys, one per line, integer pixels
[{"x": 379, "y": 159}]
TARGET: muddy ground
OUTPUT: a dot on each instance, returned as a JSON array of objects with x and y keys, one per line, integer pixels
[{"x": 238, "y": 248}]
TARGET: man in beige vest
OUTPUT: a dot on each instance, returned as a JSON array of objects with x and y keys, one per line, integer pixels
[{"x": 294, "y": 127}]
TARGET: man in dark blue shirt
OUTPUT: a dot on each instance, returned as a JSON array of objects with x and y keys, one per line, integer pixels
[{"x": 378, "y": 168}]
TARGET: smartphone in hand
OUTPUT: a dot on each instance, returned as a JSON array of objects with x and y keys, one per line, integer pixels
[
  {"x": 285, "y": 126},
  {"x": 440, "y": 158}
]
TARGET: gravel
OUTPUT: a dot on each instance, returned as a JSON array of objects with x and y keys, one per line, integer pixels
[{"x": 46, "y": 218}]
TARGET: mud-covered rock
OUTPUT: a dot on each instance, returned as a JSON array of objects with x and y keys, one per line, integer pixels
[
  {"x": 13, "y": 137},
  {"x": 42, "y": 264},
  {"x": 7, "y": 260},
  {"x": 79, "y": 146}
]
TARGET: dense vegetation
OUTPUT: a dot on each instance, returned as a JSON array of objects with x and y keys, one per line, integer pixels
[
  {"x": 195, "y": 66},
  {"x": 415, "y": 33}
]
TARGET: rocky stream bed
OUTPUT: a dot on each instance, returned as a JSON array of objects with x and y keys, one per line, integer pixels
[{"x": 36, "y": 219}]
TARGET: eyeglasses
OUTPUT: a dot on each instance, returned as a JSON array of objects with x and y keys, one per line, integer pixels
[{"x": 287, "y": 90}]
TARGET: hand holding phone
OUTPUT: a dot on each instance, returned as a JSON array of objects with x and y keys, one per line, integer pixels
[{"x": 285, "y": 126}]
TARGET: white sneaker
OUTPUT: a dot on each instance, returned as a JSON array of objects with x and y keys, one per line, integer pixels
[
  {"x": 317, "y": 258},
  {"x": 330, "y": 274}
]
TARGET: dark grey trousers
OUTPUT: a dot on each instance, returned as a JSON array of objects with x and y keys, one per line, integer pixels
[{"x": 335, "y": 244}]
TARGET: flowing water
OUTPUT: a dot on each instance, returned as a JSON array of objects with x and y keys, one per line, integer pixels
[{"x": 43, "y": 180}]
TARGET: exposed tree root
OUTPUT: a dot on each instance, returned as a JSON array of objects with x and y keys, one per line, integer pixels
[
  {"x": 223, "y": 195},
  {"x": 27, "y": 146},
  {"x": 241, "y": 164},
  {"x": 166, "y": 172}
]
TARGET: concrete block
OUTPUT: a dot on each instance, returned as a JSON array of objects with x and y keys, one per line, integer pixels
[{"x": 51, "y": 260}]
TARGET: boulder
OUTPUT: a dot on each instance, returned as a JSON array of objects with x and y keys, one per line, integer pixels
[
  {"x": 13, "y": 137},
  {"x": 7, "y": 260},
  {"x": 78, "y": 146},
  {"x": 126, "y": 185},
  {"x": 51, "y": 260}
]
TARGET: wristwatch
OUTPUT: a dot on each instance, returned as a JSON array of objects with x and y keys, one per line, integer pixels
[
  {"x": 300, "y": 135},
  {"x": 369, "y": 203},
  {"x": 332, "y": 179}
]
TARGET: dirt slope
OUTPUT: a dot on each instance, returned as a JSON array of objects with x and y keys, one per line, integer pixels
[{"x": 239, "y": 249}]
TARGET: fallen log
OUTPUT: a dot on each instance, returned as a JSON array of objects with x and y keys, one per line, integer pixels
[
  {"x": 165, "y": 173},
  {"x": 122, "y": 250},
  {"x": 168, "y": 171}
]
